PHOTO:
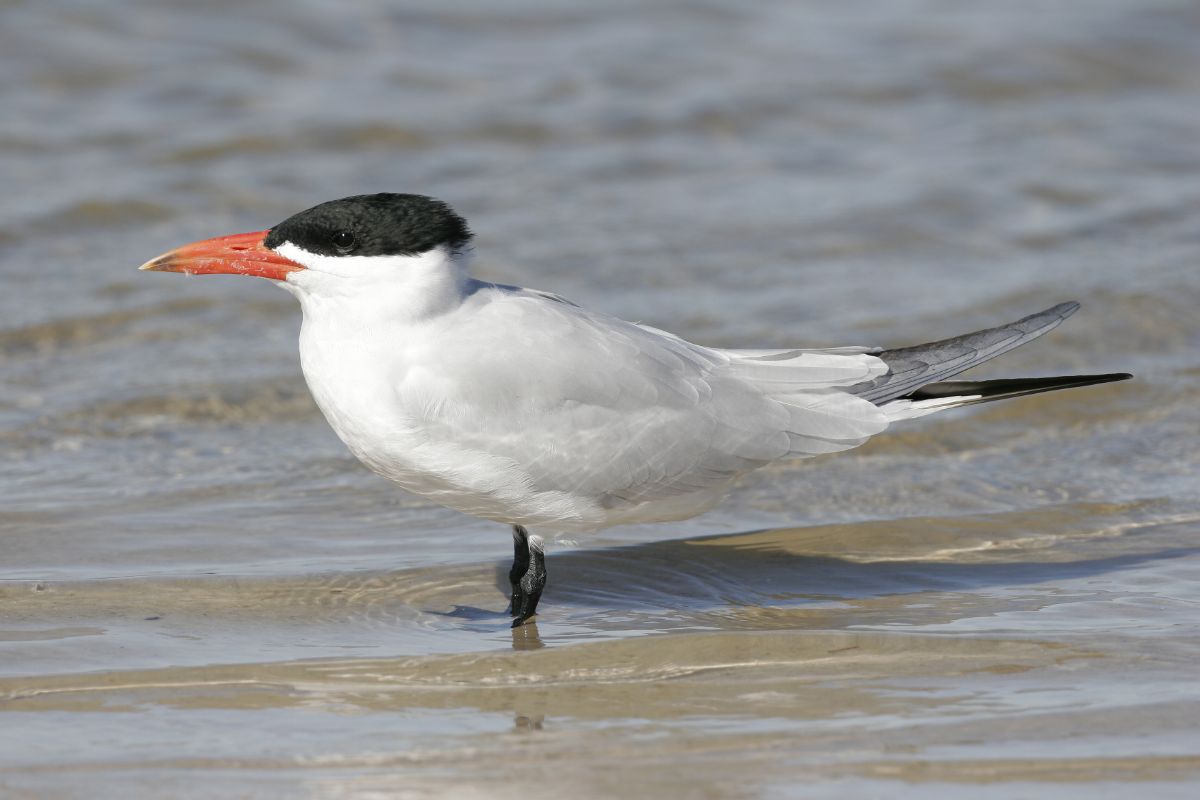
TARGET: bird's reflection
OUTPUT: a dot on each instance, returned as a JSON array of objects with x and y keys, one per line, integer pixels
[
  {"x": 524, "y": 723},
  {"x": 526, "y": 637}
]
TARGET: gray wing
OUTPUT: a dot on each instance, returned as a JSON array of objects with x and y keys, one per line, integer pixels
[
  {"x": 910, "y": 368},
  {"x": 589, "y": 406}
]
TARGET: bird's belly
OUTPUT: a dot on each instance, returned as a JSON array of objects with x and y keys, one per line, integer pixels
[
  {"x": 482, "y": 484},
  {"x": 394, "y": 441}
]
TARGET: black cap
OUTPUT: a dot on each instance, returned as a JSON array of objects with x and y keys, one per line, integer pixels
[{"x": 373, "y": 225}]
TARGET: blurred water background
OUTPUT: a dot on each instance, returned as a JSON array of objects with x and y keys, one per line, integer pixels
[{"x": 202, "y": 594}]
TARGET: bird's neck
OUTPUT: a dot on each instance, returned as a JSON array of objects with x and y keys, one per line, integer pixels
[{"x": 395, "y": 290}]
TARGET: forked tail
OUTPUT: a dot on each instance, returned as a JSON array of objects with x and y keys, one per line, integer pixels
[{"x": 915, "y": 382}]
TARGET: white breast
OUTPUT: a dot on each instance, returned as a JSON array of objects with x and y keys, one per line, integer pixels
[{"x": 380, "y": 393}]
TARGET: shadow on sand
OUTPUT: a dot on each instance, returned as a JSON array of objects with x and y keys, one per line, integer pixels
[{"x": 778, "y": 569}]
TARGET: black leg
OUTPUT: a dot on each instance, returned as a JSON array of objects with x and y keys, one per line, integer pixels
[
  {"x": 528, "y": 574},
  {"x": 520, "y": 566}
]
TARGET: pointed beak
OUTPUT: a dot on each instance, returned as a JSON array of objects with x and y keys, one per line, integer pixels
[{"x": 240, "y": 254}]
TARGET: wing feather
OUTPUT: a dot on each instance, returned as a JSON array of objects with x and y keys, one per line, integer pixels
[
  {"x": 910, "y": 368},
  {"x": 620, "y": 415}
]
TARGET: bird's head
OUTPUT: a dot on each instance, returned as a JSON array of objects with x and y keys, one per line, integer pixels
[{"x": 354, "y": 246}]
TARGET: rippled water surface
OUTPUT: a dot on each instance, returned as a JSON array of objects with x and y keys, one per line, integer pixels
[{"x": 202, "y": 594}]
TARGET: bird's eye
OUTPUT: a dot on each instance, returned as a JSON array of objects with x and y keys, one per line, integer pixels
[{"x": 343, "y": 240}]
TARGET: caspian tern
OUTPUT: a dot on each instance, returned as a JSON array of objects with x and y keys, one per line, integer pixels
[{"x": 519, "y": 406}]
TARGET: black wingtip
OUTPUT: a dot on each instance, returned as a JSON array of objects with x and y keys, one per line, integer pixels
[{"x": 1004, "y": 388}]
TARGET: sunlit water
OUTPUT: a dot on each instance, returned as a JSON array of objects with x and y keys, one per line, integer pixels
[{"x": 203, "y": 594}]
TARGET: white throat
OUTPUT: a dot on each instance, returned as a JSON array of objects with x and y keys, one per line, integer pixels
[{"x": 371, "y": 290}]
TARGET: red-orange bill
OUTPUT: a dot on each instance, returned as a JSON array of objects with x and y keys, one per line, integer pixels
[{"x": 239, "y": 254}]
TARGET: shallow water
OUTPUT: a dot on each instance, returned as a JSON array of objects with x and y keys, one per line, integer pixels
[{"x": 202, "y": 594}]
